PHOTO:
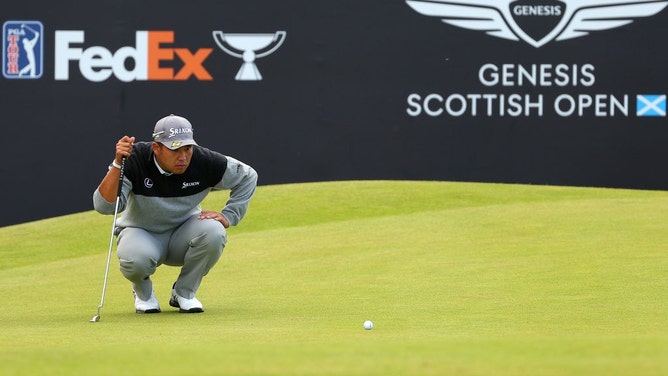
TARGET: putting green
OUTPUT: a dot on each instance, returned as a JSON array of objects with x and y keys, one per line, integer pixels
[{"x": 458, "y": 278}]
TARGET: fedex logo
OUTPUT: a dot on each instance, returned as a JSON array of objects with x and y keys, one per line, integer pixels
[{"x": 153, "y": 59}]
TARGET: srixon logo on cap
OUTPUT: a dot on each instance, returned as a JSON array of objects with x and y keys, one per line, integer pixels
[{"x": 173, "y": 132}]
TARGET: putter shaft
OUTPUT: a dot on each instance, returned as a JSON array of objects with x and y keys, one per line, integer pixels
[{"x": 96, "y": 318}]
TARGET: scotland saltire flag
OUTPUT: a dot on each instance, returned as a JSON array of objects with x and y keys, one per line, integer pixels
[
  {"x": 22, "y": 49},
  {"x": 651, "y": 105}
]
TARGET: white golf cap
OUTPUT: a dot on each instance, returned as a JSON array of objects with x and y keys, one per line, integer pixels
[{"x": 174, "y": 132}]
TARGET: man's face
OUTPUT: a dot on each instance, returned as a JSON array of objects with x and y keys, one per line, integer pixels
[{"x": 174, "y": 161}]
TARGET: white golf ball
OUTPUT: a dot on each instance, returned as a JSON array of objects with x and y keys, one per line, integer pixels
[{"x": 368, "y": 325}]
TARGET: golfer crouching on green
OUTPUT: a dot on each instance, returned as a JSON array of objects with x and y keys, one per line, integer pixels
[{"x": 162, "y": 221}]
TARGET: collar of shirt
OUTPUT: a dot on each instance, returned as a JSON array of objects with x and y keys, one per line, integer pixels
[{"x": 160, "y": 168}]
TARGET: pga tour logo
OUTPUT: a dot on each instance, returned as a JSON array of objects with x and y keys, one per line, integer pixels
[
  {"x": 538, "y": 22},
  {"x": 22, "y": 49}
]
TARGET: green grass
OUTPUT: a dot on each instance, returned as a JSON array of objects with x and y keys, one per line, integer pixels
[{"x": 459, "y": 279}]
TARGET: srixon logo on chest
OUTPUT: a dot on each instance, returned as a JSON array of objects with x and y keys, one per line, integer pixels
[{"x": 189, "y": 184}]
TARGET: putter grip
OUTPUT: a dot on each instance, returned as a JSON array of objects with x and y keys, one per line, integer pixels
[{"x": 120, "y": 178}]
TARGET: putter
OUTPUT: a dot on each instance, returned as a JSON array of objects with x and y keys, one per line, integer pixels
[{"x": 96, "y": 318}]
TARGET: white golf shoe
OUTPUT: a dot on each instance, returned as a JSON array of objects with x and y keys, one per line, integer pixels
[
  {"x": 146, "y": 306},
  {"x": 185, "y": 305}
]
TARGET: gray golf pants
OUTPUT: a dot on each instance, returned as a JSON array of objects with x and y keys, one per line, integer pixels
[{"x": 196, "y": 246}]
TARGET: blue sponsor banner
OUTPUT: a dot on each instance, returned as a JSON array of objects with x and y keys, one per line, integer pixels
[
  {"x": 651, "y": 105},
  {"x": 22, "y": 49}
]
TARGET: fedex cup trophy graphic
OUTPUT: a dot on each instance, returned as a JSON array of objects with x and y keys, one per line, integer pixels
[{"x": 249, "y": 47}]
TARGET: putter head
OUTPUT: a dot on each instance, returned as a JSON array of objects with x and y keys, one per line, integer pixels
[{"x": 95, "y": 318}]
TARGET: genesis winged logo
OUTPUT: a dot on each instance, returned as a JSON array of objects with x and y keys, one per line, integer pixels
[{"x": 537, "y": 22}]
